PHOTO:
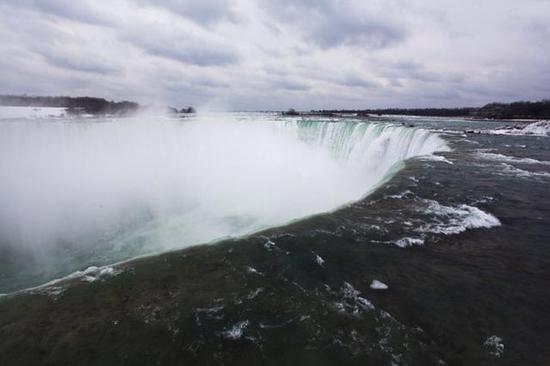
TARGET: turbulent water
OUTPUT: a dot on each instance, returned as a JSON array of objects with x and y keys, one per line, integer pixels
[
  {"x": 388, "y": 241},
  {"x": 78, "y": 193}
]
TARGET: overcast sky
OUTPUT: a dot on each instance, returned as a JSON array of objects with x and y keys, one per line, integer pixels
[{"x": 276, "y": 54}]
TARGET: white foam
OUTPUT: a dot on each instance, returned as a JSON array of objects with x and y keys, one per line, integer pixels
[
  {"x": 400, "y": 195},
  {"x": 510, "y": 159},
  {"x": 320, "y": 261},
  {"x": 508, "y": 169},
  {"x": 456, "y": 219},
  {"x": 235, "y": 332},
  {"x": 254, "y": 293},
  {"x": 90, "y": 274},
  {"x": 495, "y": 346},
  {"x": 253, "y": 270},
  {"x": 408, "y": 242},
  {"x": 436, "y": 158},
  {"x": 94, "y": 273},
  {"x": 350, "y": 293},
  {"x": 270, "y": 245},
  {"x": 377, "y": 285}
]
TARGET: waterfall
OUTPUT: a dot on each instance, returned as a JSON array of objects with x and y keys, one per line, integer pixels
[{"x": 89, "y": 193}]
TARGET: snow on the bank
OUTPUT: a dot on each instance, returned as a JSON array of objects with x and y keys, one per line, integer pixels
[
  {"x": 377, "y": 285},
  {"x": 31, "y": 112}
]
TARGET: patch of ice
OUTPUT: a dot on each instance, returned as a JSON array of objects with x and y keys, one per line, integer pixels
[{"x": 377, "y": 285}]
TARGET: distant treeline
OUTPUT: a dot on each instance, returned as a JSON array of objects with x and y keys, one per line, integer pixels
[
  {"x": 516, "y": 110},
  {"x": 76, "y": 105}
]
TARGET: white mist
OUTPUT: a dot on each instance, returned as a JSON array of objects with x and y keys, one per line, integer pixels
[{"x": 149, "y": 184}]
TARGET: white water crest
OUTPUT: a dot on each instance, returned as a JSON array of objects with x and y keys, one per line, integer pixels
[
  {"x": 540, "y": 128},
  {"x": 510, "y": 159},
  {"x": 107, "y": 190}
]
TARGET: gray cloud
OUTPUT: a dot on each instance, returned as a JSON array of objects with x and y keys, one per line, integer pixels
[
  {"x": 269, "y": 54},
  {"x": 82, "y": 11},
  {"x": 194, "y": 54},
  {"x": 408, "y": 70},
  {"x": 203, "y": 12},
  {"x": 334, "y": 23},
  {"x": 291, "y": 85}
]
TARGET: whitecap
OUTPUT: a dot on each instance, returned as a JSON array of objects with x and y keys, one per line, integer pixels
[
  {"x": 508, "y": 169},
  {"x": 408, "y": 242},
  {"x": 401, "y": 195},
  {"x": 436, "y": 158},
  {"x": 510, "y": 159},
  {"x": 457, "y": 219},
  {"x": 253, "y": 270}
]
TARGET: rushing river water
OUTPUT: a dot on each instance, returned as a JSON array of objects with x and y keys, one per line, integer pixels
[{"x": 427, "y": 245}]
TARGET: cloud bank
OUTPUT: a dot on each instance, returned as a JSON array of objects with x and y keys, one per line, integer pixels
[{"x": 267, "y": 54}]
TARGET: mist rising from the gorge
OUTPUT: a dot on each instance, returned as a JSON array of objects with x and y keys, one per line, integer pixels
[{"x": 114, "y": 189}]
